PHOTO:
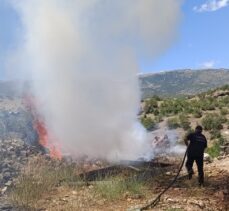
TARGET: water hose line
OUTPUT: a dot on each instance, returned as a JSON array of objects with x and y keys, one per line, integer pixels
[{"x": 157, "y": 199}]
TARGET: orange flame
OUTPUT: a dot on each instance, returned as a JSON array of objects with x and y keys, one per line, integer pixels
[{"x": 45, "y": 139}]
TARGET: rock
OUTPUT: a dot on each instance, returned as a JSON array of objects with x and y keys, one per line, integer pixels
[
  {"x": 168, "y": 173},
  {"x": 3, "y": 190},
  {"x": 172, "y": 200},
  {"x": 207, "y": 158},
  {"x": 198, "y": 203},
  {"x": 14, "y": 154},
  {"x": 129, "y": 199},
  {"x": 9, "y": 183},
  {"x": 221, "y": 157},
  {"x": 74, "y": 192}
]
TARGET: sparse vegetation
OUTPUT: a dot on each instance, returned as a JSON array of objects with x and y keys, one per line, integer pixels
[
  {"x": 148, "y": 123},
  {"x": 115, "y": 188},
  {"x": 182, "y": 83},
  {"x": 210, "y": 109},
  {"x": 173, "y": 123},
  {"x": 184, "y": 122},
  {"x": 39, "y": 178},
  {"x": 42, "y": 177},
  {"x": 213, "y": 122},
  {"x": 214, "y": 151}
]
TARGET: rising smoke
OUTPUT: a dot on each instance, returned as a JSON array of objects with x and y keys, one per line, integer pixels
[{"x": 82, "y": 56}]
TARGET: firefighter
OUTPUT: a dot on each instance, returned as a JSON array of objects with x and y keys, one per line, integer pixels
[{"x": 196, "y": 143}]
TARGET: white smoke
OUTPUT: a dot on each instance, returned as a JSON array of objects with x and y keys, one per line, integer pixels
[
  {"x": 165, "y": 141},
  {"x": 82, "y": 57}
]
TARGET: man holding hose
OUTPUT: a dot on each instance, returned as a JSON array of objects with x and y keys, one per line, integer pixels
[{"x": 196, "y": 143}]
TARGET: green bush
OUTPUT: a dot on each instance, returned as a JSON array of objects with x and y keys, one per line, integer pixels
[
  {"x": 213, "y": 122},
  {"x": 148, "y": 123},
  {"x": 150, "y": 105},
  {"x": 214, "y": 151},
  {"x": 207, "y": 106},
  {"x": 197, "y": 114},
  {"x": 156, "y": 112},
  {"x": 159, "y": 118},
  {"x": 184, "y": 122},
  {"x": 215, "y": 134},
  {"x": 223, "y": 111},
  {"x": 173, "y": 123}
]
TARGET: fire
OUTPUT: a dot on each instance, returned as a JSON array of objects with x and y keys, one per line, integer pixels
[
  {"x": 46, "y": 141},
  {"x": 45, "y": 138}
]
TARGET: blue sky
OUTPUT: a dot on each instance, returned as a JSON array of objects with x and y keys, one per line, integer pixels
[
  {"x": 202, "y": 42},
  {"x": 203, "y": 39}
]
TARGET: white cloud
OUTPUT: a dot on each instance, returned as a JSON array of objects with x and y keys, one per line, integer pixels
[
  {"x": 211, "y": 5},
  {"x": 208, "y": 64}
]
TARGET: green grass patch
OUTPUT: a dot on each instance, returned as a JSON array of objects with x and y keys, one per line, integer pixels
[
  {"x": 214, "y": 151},
  {"x": 115, "y": 188}
]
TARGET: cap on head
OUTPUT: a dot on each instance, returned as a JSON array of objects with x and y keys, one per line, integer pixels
[{"x": 199, "y": 128}]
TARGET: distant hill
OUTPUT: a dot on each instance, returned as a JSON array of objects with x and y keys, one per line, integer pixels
[
  {"x": 166, "y": 84},
  {"x": 182, "y": 82}
]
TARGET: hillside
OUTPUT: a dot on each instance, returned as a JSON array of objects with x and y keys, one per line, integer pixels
[
  {"x": 171, "y": 83},
  {"x": 209, "y": 109},
  {"x": 182, "y": 82},
  {"x": 30, "y": 180}
]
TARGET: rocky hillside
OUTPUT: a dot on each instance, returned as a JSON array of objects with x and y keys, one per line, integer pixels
[
  {"x": 30, "y": 180},
  {"x": 182, "y": 82},
  {"x": 16, "y": 121}
]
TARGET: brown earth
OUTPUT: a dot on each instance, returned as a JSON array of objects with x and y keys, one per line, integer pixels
[{"x": 184, "y": 195}]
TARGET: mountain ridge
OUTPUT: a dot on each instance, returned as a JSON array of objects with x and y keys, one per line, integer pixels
[{"x": 183, "y": 82}]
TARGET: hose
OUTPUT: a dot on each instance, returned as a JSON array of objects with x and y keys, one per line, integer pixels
[{"x": 157, "y": 199}]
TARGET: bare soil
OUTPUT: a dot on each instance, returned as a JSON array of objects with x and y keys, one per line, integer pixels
[{"x": 184, "y": 195}]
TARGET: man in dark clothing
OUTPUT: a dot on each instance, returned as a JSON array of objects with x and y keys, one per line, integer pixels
[{"x": 196, "y": 143}]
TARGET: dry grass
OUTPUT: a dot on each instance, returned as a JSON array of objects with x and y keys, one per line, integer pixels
[
  {"x": 117, "y": 188},
  {"x": 43, "y": 178},
  {"x": 40, "y": 177}
]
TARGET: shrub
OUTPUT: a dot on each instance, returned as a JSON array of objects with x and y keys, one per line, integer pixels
[
  {"x": 207, "y": 106},
  {"x": 225, "y": 87},
  {"x": 214, "y": 151},
  {"x": 222, "y": 140},
  {"x": 150, "y": 105},
  {"x": 215, "y": 134},
  {"x": 213, "y": 122},
  {"x": 159, "y": 118},
  {"x": 173, "y": 123},
  {"x": 156, "y": 112},
  {"x": 148, "y": 123},
  {"x": 197, "y": 114},
  {"x": 184, "y": 122},
  {"x": 223, "y": 111}
]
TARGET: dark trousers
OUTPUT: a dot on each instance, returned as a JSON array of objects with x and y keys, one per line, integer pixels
[{"x": 200, "y": 164}]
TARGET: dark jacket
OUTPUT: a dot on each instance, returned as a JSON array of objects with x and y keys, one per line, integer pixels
[{"x": 198, "y": 143}]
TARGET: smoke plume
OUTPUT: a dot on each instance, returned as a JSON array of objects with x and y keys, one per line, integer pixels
[{"x": 82, "y": 56}]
